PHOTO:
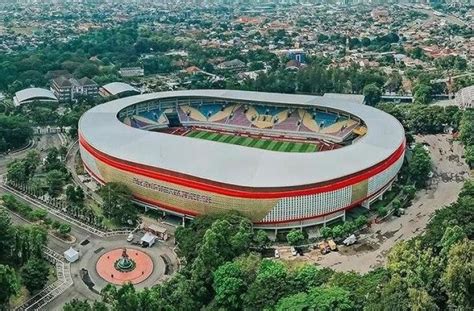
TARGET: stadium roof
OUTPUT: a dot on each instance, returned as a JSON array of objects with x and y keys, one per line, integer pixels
[
  {"x": 239, "y": 165},
  {"x": 347, "y": 97},
  {"x": 31, "y": 94},
  {"x": 116, "y": 88}
]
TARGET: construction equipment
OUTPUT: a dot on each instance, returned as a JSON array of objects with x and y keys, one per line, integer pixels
[
  {"x": 332, "y": 245},
  {"x": 324, "y": 247}
]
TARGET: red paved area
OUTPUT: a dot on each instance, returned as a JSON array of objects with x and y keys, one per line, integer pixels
[{"x": 143, "y": 267}]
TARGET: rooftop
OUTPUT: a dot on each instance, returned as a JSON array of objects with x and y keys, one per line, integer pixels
[
  {"x": 116, "y": 88},
  {"x": 238, "y": 165},
  {"x": 32, "y": 94}
]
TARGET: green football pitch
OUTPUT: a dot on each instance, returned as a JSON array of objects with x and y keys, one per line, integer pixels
[{"x": 268, "y": 144}]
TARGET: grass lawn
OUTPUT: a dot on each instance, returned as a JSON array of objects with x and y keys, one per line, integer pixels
[{"x": 267, "y": 144}]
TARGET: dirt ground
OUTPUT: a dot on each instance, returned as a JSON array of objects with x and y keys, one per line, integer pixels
[{"x": 449, "y": 170}]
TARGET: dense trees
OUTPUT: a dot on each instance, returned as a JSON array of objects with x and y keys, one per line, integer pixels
[
  {"x": 9, "y": 285},
  {"x": 425, "y": 119},
  {"x": 75, "y": 196},
  {"x": 35, "y": 274},
  {"x": 422, "y": 94},
  {"x": 20, "y": 249},
  {"x": 14, "y": 132},
  {"x": 459, "y": 275},
  {"x": 429, "y": 272},
  {"x": 118, "y": 205}
]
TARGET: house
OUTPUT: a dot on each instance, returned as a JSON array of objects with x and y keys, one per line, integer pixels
[
  {"x": 234, "y": 64},
  {"x": 132, "y": 72},
  {"x": 192, "y": 70}
]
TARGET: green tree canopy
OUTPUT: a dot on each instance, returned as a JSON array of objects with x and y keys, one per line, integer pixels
[{"x": 35, "y": 274}]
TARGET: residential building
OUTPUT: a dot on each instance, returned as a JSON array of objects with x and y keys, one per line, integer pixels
[
  {"x": 68, "y": 89},
  {"x": 128, "y": 72}
]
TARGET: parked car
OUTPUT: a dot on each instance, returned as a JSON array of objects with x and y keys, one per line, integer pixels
[
  {"x": 293, "y": 251},
  {"x": 130, "y": 237},
  {"x": 277, "y": 254}
]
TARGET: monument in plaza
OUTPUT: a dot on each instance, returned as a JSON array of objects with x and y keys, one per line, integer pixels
[
  {"x": 121, "y": 265},
  {"x": 124, "y": 263}
]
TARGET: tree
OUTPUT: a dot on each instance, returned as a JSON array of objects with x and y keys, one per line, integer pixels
[
  {"x": 9, "y": 285},
  {"x": 84, "y": 305},
  {"x": 261, "y": 240},
  {"x": 118, "y": 204},
  {"x": 295, "y": 237},
  {"x": 35, "y": 274},
  {"x": 309, "y": 276},
  {"x": 382, "y": 211},
  {"x": 420, "y": 300},
  {"x": 338, "y": 231},
  {"x": 466, "y": 128},
  {"x": 372, "y": 94},
  {"x": 419, "y": 166},
  {"x": 452, "y": 235},
  {"x": 325, "y": 232},
  {"x": 396, "y": 204},
  {"x": 319, "y": 298},
  {"x": 55, "y": 182},
  {"x": 296, "y": 302},
  {"x": 361, "y": 221},
  {"x": 330, "y": 298},
  {"x": 269, "y": 286},
  {"x": 470, "y": 156},
  {"x": 75, "y": 196},
  {"x": 422, "y": 94},
  {"x": 394, "y": 82},
  {"x": 64, "y": 229},
  {"x": 459, "y": 276},
  {"x": 229, "y": 286},
  {"x": 53, "y": 161},
  {"x": 6, "y": 232},
  {"x": 15, "y": 131}
]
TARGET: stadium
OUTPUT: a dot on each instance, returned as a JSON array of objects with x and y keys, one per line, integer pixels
[{"x": 282, "y": 160}]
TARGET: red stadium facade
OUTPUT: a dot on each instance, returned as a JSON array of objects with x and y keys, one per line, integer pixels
[{"x": 292, "y": 205}]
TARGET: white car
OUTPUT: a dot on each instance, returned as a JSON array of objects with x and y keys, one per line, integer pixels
[
  {"x": 277, "y": 254},
  {"x": 293, "y": 251},
  {"x": 130, "y": 237}
]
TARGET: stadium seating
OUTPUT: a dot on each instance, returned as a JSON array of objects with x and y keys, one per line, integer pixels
[
  {"x": 239, "y": 118},
  {"x": 256, "y": 116},
  {"x": 290, "y": 123}
]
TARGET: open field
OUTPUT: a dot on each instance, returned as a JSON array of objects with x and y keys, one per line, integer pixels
[{"x": 262, "y": 143}]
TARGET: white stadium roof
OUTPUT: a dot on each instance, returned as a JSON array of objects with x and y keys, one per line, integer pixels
[
  {"x": 31, "y": 94},
  {"x": 239, "y": 165},
  {"x": 116, "y": 88}
]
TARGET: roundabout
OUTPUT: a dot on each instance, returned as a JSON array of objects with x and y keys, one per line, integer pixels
[{"x": 122, "y": 265}]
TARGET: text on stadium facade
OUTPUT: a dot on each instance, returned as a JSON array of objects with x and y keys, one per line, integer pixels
[{"x": 176, "y": 192}]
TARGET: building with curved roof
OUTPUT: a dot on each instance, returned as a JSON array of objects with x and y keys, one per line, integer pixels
[
  {"x": 33, "y": 94},
  {"x": 118, "y": 89},
  {"x": 282, "y": 160},
  {"x": 465, "y": 97}
]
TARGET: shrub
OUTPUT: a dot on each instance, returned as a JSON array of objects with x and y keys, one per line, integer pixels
[
  {"x": 382, "y": 211},
  {"x": 56, "y": 224},
  {"x": 64, "y": 229},
  {"x": 295, "y": 237},
  {"x": 360, "y": 221},
  {"x": 326, "y": 232},
  {"x": 37, "y": 214},
  {"x": 338, "y": 231}
]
